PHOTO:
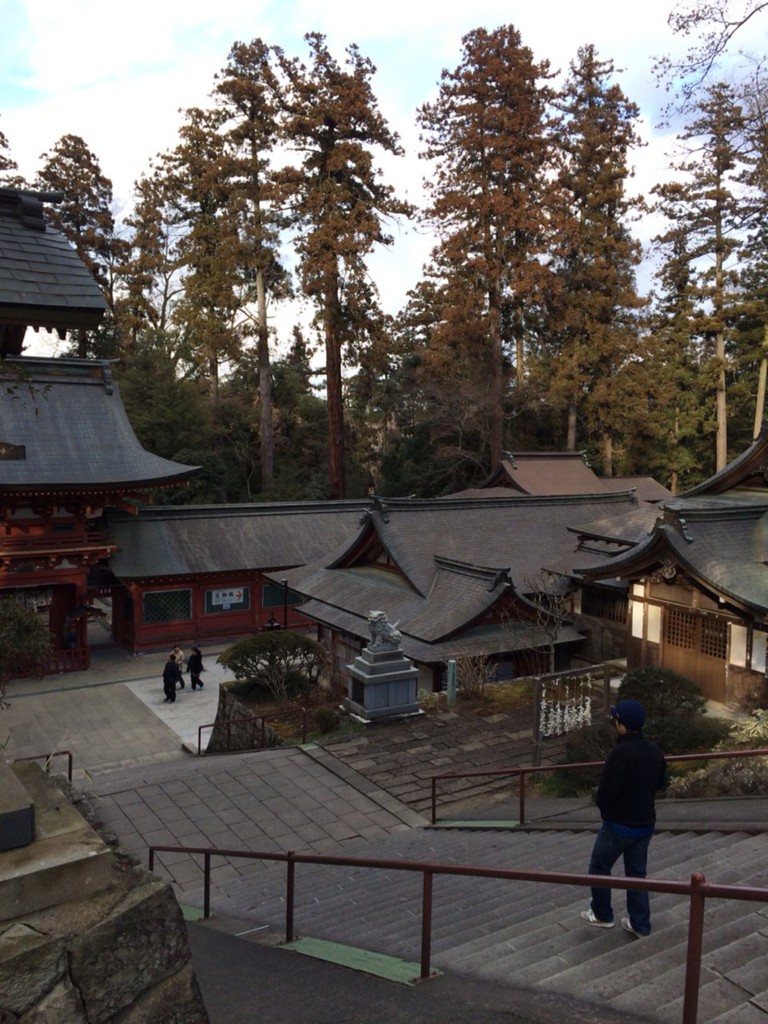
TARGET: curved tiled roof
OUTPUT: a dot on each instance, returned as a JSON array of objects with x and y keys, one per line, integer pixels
[
  {"x": 43, "y": 282},
  {"x": 179, "y": 540},
  {"x": 63, "y": 427}
]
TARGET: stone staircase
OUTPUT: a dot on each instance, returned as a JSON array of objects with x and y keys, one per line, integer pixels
[{"x": 529, "y": 934}]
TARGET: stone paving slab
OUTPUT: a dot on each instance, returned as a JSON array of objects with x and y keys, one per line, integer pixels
[{"x": 239, "y": 802}]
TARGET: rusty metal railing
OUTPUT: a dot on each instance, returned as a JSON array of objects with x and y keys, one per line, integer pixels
[
  {"x": 697, "y": 890},
  {"x": 263, "y": 719},
  {"x": 47, "y": 758},
  {"x": 522, "y": 772}
]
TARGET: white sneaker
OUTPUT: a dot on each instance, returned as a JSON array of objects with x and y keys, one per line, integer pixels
[
  {"x": 589, "y": 917},
  {"x": 626, "y": 924}
]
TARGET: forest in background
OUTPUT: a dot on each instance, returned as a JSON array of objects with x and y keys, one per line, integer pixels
[{"x": 526, "y": 331}]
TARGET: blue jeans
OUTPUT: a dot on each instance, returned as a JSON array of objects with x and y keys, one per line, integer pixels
[{"x": 607, "y": 849}]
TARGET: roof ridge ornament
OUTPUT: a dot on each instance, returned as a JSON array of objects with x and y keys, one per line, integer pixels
[{"x": 27, "y": 205}]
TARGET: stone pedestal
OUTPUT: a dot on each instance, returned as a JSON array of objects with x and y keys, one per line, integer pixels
[
  {"x": 17, "y": 811},
  {"x": 383, "y": 684},
  {"x": 66, "y": 860}
]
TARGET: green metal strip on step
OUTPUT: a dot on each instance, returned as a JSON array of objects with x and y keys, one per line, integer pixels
[
  {"x": 447, "y": 823},
  {"x": 191, "y": 913},
  {"x": 388, "y": 967}
]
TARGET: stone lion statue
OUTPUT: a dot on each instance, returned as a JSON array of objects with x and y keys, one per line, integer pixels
[{"x": 383, "y": 633}]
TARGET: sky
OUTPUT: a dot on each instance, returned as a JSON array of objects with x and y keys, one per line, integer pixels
[{"x": 118, "y": 75}]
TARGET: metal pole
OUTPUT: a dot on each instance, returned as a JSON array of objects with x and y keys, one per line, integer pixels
[
  {"x": 521, "y": 790},
  {"x": 207, "y": 886},
  {"x": 426, "y": 923},
  {"x": 695, "y": 944},
  {"x": 289, "y": 886}
]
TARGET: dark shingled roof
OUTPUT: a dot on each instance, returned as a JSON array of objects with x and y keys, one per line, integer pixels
[
  {"x": 646, "y": 488},
  {"x": 43, "y": 282},
  {"x": 545, "y": 473},
  {"x": 716, "y": 534},
  {"x": 180, "y": 540},
  {"x": 63, "y": 428},
  {"x": 447, "y": 563}
]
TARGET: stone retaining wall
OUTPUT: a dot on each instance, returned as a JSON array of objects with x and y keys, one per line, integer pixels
[
  {"x": 117, "y": 956},
  {"x": 236, "y": 727}
]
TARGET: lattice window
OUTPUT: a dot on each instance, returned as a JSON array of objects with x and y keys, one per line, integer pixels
[
  {"x": 714, "y": 636},
  {"x": 604, "y": 604},
  {"x": 167, "y": 605},
  {"x": 680, "y": 628}
]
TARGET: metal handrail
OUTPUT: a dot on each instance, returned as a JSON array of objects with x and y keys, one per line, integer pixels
[
  {"x": 697, "y": 890},
  {"x": 255, "y": 718},
  {"x": 48, "y": 757},
  {"x": 523, "y": 772}
]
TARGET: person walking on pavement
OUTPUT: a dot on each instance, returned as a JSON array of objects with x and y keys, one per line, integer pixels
[
  {"x": 171, "y": 676},
  {"x": 633, "y": 772},
  {"x": 178, "y": 654},
  {"x": 195, "y": 666}
]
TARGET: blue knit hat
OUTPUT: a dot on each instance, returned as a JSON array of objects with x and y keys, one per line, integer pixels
[{"x": 630, "y": 713}]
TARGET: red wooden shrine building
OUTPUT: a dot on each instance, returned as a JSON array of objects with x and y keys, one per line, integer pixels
[{"x": 67, "y": 450}]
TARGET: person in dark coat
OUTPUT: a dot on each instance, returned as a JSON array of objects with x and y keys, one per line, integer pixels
[
  {"x": 195, "y": 666},
  {"x": 171, "y": 676},
  {"x": 632, "y": 774}
]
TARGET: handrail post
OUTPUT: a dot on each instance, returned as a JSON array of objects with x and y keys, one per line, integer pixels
[
  {"x": 289, "y": 895},
  {"x": 151, "y": 863},
  {"x": 426, "y": 923},
  {"x": 521, "y": 787},
  {"x": 434, "y": 799},
  {"x": 207, "y": 886},
  {"x": 695, "y": 944}
]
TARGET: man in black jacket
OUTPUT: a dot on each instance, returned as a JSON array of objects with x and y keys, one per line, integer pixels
[{"x": 626, "y": 796}]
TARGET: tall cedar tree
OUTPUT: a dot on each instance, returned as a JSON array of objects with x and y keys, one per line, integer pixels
[
  {"x": 491, "y": 202},
  {"x": 705, "y": 201},
  {"x": 85, "y": 217},
  {"x": 753, "y": 325},
  {"x": 594, "y": 327},
  {"x": 248, "y": 95},
  {"x": 338, "y": 202},
  {"x": 209, "y": 249},
  {"x": 677, "y": 420},
  {"x": 151, "y": 278}
]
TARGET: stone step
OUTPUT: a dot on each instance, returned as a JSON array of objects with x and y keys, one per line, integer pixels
[{"x": 528, "y": 933}]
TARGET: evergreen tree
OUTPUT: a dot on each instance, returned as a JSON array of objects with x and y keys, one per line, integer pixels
[
  {"x": 198, "y": 187},
  {"x": 151, "y": 276},
  {"x": 752, "y": 325},
  {"x": 492, "y": 204},
  {"x": 248, "y": 95},
  {"x": 338, "y": 204},
  {"x": 8, "y": 166},
  {"x": 706, "y": 202},
  {"x": 673, "y": 451},
  {"x": 593, "y": 330},
  {"x": 85, "y": 217}
]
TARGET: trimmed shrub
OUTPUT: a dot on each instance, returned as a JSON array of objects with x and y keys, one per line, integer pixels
[
  {"x": 662, "y": 692},
  {"x": 679, "y": 734},
  {"x": 286, "y": 663},
  {"x": 738, "y": 777}
]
